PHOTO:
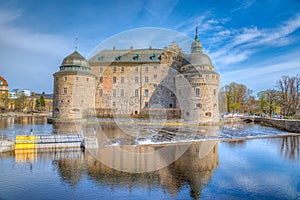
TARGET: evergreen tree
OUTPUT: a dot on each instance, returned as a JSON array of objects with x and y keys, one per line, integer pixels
[
  {"x": 37, "y": 104},
  {"x": 42, "y": 101}
]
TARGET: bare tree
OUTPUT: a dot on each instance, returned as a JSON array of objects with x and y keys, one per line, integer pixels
[{"x": 289, "y": 94}]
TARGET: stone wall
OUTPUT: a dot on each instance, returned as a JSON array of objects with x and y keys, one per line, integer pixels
[
  {"x": 74, "y": 95},
  {"x": 288, "y": 125},
  {"x": 6, "y": 145}
]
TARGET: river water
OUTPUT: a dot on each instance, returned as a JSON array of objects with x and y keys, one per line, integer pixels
[{"x": 135, "y": 160}]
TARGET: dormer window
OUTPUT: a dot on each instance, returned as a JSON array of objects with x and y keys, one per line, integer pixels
[
  {"x": 101, "y": 57},
  {"x": 153, "y": 56},
  {"x": 118, "y": 57},
  {"x": 136, "y": 57}
]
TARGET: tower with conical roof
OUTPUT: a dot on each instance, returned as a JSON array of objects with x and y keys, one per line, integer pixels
[
  {"x": 74, "y": 89},
  {"x": 197, "y": 86}
]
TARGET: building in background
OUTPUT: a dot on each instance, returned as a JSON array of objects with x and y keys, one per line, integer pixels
[{"x": 3, "y": 93}]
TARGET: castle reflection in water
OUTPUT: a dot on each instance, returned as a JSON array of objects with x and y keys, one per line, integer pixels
[
  {"x": 191, "y": 168},
  {"x": 194, "y": 168}
]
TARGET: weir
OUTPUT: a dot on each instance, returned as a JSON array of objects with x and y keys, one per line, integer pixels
[{"x": 48, "y": 141}]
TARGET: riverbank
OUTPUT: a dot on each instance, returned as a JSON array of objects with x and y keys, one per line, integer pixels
[
  {"x": 20, "y": 114},
  {"x": 284, "y": 124},
  {"x": 6, "y": 145}
]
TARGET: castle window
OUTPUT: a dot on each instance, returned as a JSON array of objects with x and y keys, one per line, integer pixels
[
  {"x": 207, "y": 76},
  {"x": 153, "y": 56},
  {"x": 100, "y": 57},
  {"x": 118, "y": 57},
  {"x": 100, "y": 92},
  {"x": 136, "y": 79},
  {"x": 146, "y": 69},
  {"x": 101, "y": 79},
  {"x": 122, "y": 79},
  {"x": 114, "y": 93},
  {"x": 173, "y": 58},
  {"x": 122, "y": 92},
  {"x": 66, "y": 78},
  {"x": 197, "y": 92},
  {"x": 114, "y": 79},
  {"x": 187, "y": 114},
  {"x": 215, "y": 92},
  {"x": 208, "y": 114},
  {"x": 136, "y": 57},
  {"x": 87, "y": 79},
  {"x": 136, "y": 69},
  {"x": 171, "y": 105},
  {"x": 155, "y": 67},
  {"x": 136, "y": 92},
  {"x": 114, "y": 104},
  {"x": 179, "y": 92},
  {"x": 155, "y": 85},
  {"x": 146, "y": 92},
  {"x": 146, "y": 79},
  {"x": 101, "y": 69},
  {"x": 65, "y": 90},
  {"x": 198, "y": 105},
  {"x": 200, "y": 75},
  {"x": 114, "y": 69},
  {"x": 155, "y": 75},
  {"x": 146, "y": 104},
  {"x": 76, "y": 78},
  {"x": 122, "y": 69}
]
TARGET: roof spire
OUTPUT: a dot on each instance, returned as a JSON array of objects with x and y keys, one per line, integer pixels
[
  {"x": 196, "y": 36},
  {"x": 76, "y": 43}
]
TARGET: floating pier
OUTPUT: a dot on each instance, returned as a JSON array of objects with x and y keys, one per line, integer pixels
[{"x": 48, "y": 141}]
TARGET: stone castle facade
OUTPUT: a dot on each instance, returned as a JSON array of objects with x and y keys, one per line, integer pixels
[{"x": 150, "y": 82}]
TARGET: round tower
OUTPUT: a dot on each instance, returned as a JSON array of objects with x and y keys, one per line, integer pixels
[
  {"x": 74, "y": 89},
  {"x": 197, "y": 86}
]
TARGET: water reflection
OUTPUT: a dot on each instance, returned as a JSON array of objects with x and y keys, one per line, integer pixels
[
  {"x": 193, "y": 169},
  {"x": 290, "y": 147}
]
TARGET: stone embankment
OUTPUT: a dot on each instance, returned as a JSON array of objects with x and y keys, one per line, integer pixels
[
  {"x": 20, "y": 114},
  {"x": 6, "y": 145},
  {"x": 285, "y": 124}
]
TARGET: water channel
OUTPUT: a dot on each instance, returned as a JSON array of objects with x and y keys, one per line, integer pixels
[{"x": 138, "y": 160}]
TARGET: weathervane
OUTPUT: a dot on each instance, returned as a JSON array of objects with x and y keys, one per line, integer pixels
[
  {"x": 76, "y": 42},
  {"x": 196, "y": 36}
]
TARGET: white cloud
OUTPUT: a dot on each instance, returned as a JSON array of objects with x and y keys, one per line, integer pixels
[
  {"x": 28, "y": 59},
  {"x": 248, "y": 35},
  {"x": 8, "y": 16},
  {"x": 263, "y": 75},
  {"x": 237, "y": 45},
  {"x": 242, "y": 4}
]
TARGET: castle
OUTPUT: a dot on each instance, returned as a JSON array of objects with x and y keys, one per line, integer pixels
[{"x": 149, "y": 82}]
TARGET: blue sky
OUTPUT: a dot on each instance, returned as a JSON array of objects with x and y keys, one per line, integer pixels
[{"x": 250, "y": 42}]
